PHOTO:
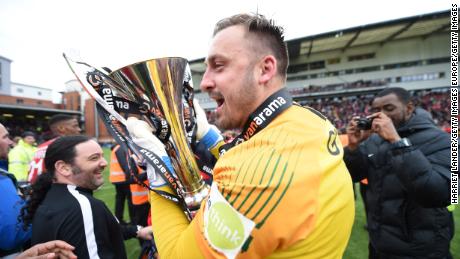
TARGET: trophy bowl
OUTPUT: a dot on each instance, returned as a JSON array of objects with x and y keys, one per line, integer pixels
[{"x": 163, "y": 89}]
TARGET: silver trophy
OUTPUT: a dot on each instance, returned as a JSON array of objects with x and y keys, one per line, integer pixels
[{"x": 160, "y": 92}]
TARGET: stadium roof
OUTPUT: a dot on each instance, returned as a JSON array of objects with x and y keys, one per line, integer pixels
[{"x": 422, "y": 26}]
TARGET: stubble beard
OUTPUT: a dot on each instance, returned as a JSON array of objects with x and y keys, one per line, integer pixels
[
  {"x": 89, "y": 181},
  {"x": 246, "y": 98}
]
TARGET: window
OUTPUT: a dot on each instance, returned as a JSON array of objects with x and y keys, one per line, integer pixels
[
  {"x": 438, "y": 60},
  {"x": 333, "y": 61},
  {"x": 419, "y": 77},
  {"x": 367, "y": 69},
  {"x": 401, "y": 65},
  {"x": 39, "y": 93},
  {"x": 391, "y": 66},
  {"x": 411, "y": 64},
  {"x": 19, "y": 101},
  {"x": 306, "y": 66},
  {"x": 19, "y": 90},
  {"x": 361, "y": 57},
  {"x": 297, "y": 68},
  {"x": 317, "y": 65}
]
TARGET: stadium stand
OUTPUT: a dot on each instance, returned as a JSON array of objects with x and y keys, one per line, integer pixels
[{"x": 338, "y": 72}]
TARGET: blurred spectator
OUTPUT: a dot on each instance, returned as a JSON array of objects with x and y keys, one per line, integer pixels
[
  {"x": 16, "y": 140},
  {"x": 60, "y": 125},
  {"x": 121, "y": 179},
  {"x": 21, "y": 155},
  {"x": 12, "y": 234}
]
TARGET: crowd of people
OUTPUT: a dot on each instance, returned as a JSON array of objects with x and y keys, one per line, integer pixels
[
  {"x": 339, "y": 110},
  {"x": 282, "y": 182}
]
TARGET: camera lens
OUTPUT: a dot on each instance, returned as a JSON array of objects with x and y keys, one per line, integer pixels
[{"x": 364, "y": 123}]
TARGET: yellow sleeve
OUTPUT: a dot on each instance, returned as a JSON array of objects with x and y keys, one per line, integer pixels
[{"x": 174, "y": 234}]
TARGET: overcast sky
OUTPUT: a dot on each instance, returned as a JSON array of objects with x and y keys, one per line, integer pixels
[{"x": 34, "y": 33}]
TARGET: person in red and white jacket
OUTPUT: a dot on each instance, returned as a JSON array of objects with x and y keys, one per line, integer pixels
[{"x": 60, "y": 125}]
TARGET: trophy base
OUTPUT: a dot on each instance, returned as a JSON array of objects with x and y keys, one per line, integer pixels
[{"x": 193, "y": 200}]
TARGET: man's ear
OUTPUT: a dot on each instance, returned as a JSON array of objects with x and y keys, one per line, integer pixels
[
  {"x": 268, "y": 69},
  {"x": 410, "y": 107},
  {"x": 63, "y": 168},
  {"x": 60, "y": 128}
]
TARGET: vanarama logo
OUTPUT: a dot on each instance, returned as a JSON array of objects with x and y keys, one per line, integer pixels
[
  {"x": 265, "y": 114},
  {"x": 225, "y": 229},
  {"x": 108, "y": 97}
]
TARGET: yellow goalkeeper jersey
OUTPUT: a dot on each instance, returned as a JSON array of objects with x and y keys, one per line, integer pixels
[{"x": 284, "y": 193}]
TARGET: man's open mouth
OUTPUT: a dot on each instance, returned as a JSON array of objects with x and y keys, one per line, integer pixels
[
  {"x": 218, "y": 98},
  {"x": 220, "y": 102}
]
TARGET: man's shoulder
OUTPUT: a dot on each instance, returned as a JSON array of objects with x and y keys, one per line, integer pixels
[
  {"x": 307, "y": 119},
  {"x": 5, "y": 178},
  {"x": 70, "y": 197},
  {"x": 430, "y": 140},
  {"x": 88, "y": 194},
  {"x": 5, "y": 175},
  {"x": 3, "y": 172},
  {"x": 305, "y": 112}
]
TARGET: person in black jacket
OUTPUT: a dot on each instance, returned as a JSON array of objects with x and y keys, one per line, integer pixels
[
  {"x": 406, "y": 161},
  {"x": 62, "y": 206}
]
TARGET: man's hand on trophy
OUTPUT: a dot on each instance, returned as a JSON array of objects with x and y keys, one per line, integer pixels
[
  {"x": 206, "y": 133},
  {"x": 141, "y": 134}
]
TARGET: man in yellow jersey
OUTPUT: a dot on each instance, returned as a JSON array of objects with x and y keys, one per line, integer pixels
[{"x": 280, "y": 188}]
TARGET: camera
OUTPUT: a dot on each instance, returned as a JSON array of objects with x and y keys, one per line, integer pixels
[{"x": 364, "y": 123}]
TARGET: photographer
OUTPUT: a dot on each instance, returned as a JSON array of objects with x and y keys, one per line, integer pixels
[{"x": 406, "y": 161}]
